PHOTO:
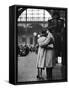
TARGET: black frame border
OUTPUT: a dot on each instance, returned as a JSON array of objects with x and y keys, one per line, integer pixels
[{"x": 16, "y": 43}]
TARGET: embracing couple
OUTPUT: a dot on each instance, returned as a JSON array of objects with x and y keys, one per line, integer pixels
[{"x": 46, "y": 54}]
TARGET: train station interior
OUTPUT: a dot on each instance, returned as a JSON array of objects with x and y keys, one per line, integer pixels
[{"x": 30, "y": 22}]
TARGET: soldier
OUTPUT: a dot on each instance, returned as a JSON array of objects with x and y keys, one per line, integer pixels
[{"x": 57, "y": 25}]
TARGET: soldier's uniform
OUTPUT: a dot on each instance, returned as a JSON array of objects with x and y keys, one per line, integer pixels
[{"x": 57, "y": 25}]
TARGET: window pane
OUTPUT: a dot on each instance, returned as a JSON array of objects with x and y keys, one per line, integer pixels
[{"x": 35, "y": 15}]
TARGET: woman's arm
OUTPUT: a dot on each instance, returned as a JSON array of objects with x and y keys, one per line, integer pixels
[{"x": 46, "y": 41}]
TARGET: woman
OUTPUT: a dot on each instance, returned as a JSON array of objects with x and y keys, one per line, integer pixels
[
  {"x": 41, "y": 54},
  {"x": 46, "y": 55}
]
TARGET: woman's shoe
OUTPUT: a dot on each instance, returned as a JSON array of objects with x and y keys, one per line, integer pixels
[{"x": 37, "y": 76}]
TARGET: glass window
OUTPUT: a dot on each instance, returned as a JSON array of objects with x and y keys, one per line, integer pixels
[{"x": 35, "y": 15}]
